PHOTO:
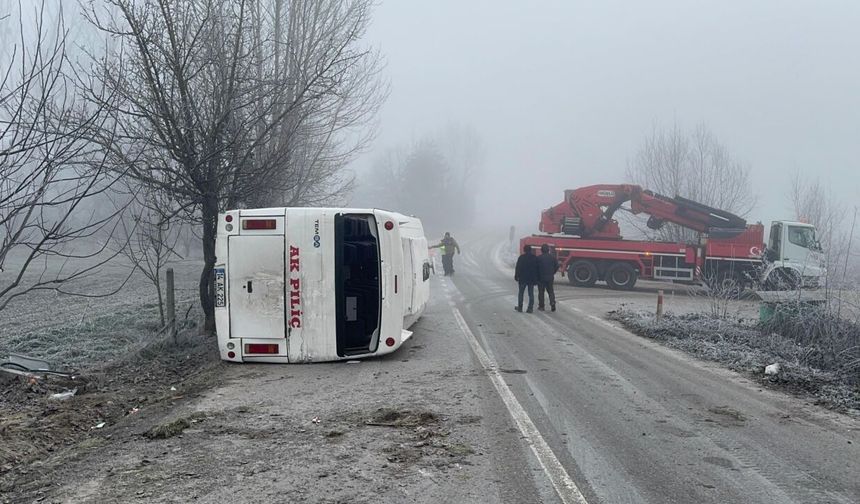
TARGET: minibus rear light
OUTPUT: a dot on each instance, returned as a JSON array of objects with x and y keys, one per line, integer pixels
[
  {"x": 390, "y": 341},
  {"x": 389, "y": 225},
  {"x": 259, "y": 224},
  {"x": 261, "y": 348}
]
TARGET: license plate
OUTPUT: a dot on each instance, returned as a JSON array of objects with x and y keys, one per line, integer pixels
[{"x": 220, "y": 297}]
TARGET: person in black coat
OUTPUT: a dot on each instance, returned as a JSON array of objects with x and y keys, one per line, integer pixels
[
  {"x": 547, "y": 266},
  {"x": 526, "y": 274}
]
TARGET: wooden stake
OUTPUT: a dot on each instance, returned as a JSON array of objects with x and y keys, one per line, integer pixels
[{"x": 171, "y": 305}]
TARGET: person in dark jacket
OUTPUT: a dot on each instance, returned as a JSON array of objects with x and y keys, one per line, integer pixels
[
  {"x": 526, "y": 274},
  {"x": 547, "y": 266},
  {"x": 448, "y": 245}
]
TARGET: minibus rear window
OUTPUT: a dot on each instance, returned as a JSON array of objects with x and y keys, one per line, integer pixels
[{"x": 357, "y": 283}]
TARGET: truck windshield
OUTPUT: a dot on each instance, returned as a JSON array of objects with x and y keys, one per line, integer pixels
[
  {"x": 357, "y": 283},
  {"x": 803, "y": 236}
]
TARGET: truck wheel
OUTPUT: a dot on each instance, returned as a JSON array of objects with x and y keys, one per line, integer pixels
[
  {"x": 621, "y": 276},
  {"x": 582, "y": 273}
]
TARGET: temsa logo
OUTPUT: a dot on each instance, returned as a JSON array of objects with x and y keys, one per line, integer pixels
[{"x": 295, "y": 290}]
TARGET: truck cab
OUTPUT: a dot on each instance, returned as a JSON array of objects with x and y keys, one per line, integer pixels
[{"x": 793, "y": 257}]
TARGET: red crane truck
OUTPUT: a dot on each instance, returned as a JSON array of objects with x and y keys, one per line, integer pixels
[{"x": 588, "y": 243}]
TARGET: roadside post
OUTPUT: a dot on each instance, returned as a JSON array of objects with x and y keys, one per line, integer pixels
[
  {"x": 659, "y": 304},
  {"x": 171, "y": 306}
]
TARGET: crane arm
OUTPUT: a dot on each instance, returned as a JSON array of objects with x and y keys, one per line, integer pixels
[
  {"x": 588, "y": 212},
  {"x": 684, "y": 212}
]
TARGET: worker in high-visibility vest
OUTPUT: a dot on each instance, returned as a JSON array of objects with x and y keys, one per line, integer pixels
[{"x": 448, "y": 245}]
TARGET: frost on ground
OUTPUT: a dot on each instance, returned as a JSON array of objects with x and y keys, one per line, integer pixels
[
  {"x": 93, "y": 339},
  {"x": 827, "y": 368},
  {"x": 76, "y": 332}
]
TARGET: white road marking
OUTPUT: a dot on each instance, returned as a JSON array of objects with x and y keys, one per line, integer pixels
[{"x": 561, "y": 481}]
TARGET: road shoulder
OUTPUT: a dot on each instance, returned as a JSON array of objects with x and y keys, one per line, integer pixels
[{"x": 419, "y": 425}]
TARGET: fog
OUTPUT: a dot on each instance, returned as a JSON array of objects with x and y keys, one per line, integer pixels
[{"x": 563, "y": 92}]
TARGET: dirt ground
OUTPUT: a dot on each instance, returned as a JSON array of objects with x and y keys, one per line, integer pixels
[
  {"x": 34, "y": 426},
  {"x": 150, "y": 421},
  {"x": 408, "y": 427}
]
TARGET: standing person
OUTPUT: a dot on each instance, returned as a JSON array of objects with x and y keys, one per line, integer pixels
[
  {"x": 451, "y": 246},
  {"x": 547, "y": 266},
  {"x": 526, "y": 275},
  {"x": 448, "y": 245}
]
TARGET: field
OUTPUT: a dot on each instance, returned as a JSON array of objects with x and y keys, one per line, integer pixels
[{"x": 76, "y": 331}]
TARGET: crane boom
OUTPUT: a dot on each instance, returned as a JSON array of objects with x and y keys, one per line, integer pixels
[{"x": 588, "y": 212}]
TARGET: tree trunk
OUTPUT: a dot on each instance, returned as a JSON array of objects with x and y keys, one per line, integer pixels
[{"x": 207, "y": 300}]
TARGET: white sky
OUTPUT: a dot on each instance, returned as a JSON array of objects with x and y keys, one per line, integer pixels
[{"x": 563, "y": 92}]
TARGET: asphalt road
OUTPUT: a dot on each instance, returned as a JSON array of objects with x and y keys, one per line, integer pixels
[{"x": 631, "y": 421}]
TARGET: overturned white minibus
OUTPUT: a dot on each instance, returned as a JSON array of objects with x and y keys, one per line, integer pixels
[{"x": 317, "y": 284}]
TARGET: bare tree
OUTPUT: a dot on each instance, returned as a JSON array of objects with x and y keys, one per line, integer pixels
[
  {"x": 424, "y": 179},
  {"x": 464, "y": 152},
  {"x": 816, "y": 204},
  {"x": 48, "y": 170},
  {"x": 382, "y": 186},
  {"x": 414, "y": 180},
  {"x": 435, "y": 178},
  {"x": 148, "y": 235},
  {"x": 326, "y": 132},
  {"x": 694, "y": 165},
  {"x": 226, "y": 104},
  {"x": 813, "y": 203}
]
